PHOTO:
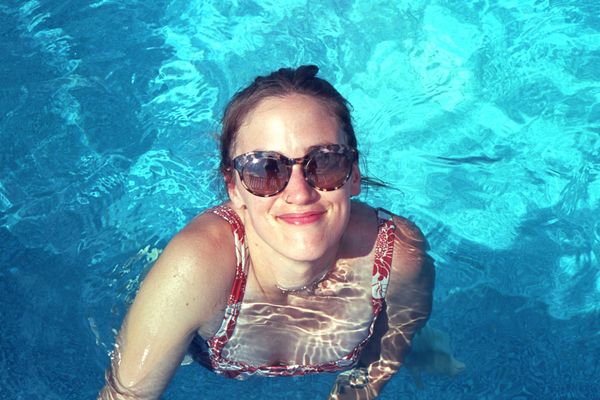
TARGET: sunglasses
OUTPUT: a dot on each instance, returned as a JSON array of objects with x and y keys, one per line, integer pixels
[{"x": 266, "y": 173}]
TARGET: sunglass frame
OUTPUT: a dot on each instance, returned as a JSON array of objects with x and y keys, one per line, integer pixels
[{"x": 240, "y": 162}]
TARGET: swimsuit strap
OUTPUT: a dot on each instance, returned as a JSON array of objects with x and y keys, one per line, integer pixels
[
  {"x": 234, "y": 303},
  {"x": 384, "y": 250}
]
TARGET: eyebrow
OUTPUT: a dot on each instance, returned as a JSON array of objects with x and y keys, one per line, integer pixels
[
  {"x": 308, "y": 150},
  {"x": 311, "y": 148}
]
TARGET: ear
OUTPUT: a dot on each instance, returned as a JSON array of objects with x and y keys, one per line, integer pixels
[
  {"x": 233, "y": 190},
  {"x": 355, "y": 180}
]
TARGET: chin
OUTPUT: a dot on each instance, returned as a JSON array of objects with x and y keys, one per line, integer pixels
[
  {"x": 303, "y": 257},
  {"x": 305, "y": 251}
]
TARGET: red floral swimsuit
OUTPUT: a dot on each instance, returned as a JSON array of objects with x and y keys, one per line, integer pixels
[{"x": 211, "y": 350}]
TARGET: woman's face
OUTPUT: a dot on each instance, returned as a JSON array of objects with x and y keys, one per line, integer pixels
[{"x": 300, "y": 223}]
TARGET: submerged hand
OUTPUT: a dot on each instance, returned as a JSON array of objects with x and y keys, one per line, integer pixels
[
  {"x": 352, "y": 385},
  {"x": 432, "y": 353}
]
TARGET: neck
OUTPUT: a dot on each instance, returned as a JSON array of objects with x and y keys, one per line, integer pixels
[
  {"x": 306, "y": 281},
  {"x": 275, "y": 272},
  {"x": 287, "y": 275}
]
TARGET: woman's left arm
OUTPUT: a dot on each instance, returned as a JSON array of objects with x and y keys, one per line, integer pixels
[{"x": 408, "y": 306}]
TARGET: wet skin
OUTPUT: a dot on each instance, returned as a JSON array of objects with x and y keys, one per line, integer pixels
[{"x": 295, "y": 237}]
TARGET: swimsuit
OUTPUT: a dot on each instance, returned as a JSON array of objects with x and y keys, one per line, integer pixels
[{"x": 210, "y": 352}]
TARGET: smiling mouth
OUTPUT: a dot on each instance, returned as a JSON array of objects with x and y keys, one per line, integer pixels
[{"x": 301, "y": 218}]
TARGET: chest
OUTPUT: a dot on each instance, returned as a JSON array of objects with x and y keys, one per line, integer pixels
[{"x": 310, "y": 328}]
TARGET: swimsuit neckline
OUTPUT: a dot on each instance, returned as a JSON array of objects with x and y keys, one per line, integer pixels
[{"x": 235, "y": 369}]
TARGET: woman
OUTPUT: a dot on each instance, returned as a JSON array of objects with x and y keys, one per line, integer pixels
[{"x": 290, "y": 276}]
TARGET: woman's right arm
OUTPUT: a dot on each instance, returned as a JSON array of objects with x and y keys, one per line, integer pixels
[{"x": 186, "y": 288}]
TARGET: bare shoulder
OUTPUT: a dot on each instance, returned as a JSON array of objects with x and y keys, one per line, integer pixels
[
  {"x": 196, "y": 269},
  {"x": 409, "y": 234},
  {"x": 411, "y": 260}
]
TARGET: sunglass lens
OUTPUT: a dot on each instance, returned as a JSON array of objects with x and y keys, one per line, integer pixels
[
  {"x": 328, "y": 170},
  {"x": 265, "y": 176}
]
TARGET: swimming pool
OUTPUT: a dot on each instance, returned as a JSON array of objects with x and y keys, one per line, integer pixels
[{"x": 484, "y": 114}]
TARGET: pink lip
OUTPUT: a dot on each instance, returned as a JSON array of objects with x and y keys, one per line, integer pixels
[{"x": 301, "y": 218}]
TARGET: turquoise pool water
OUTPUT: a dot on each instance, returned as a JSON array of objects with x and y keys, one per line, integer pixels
[{"x": 485, "y": 115}]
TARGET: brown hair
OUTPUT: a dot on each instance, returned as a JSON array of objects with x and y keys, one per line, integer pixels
[{"x": 285, "y": 81}]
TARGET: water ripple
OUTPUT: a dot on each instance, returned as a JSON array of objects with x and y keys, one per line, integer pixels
[{"x": 467, "y": 160}]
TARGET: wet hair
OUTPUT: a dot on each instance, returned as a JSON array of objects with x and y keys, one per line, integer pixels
[{"x": 285, "y": 81}]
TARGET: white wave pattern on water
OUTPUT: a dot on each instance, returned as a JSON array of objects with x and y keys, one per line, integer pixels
[
  {"x": 166, "y": 186},
  {"x": 32, "y": 202},
  {"x": 479, "y": 127},
  {"x": 189, "y": 100}
]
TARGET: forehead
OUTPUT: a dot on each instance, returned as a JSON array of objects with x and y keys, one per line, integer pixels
[{"x": 289, "y": 125}]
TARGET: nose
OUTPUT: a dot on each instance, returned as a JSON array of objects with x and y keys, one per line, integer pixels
[{"x": 298, "y": 191}]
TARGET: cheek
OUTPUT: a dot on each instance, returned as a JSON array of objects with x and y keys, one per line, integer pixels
[
  {"x": 342, "y": 202},
  {"x": 256, "y": 209},
  {"x": 355, "y": 180},
  {"x": 239, "y": 196}
]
